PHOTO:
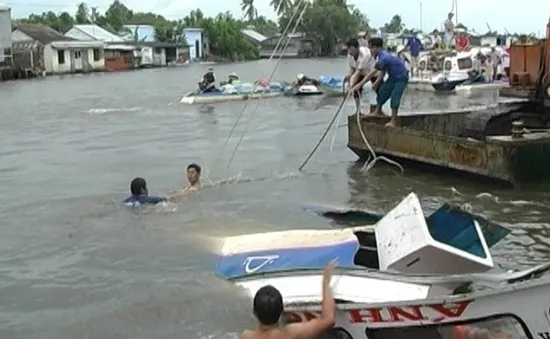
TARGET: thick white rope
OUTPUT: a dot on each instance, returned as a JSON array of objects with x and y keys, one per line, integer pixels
[
  {"x": 374, "y": 157},
  {"x": 269, "y": 81},
  {"x": 283, "y": 35},
  {"x": 310, "y": 155},
  {"x": 369, "y": 163}
]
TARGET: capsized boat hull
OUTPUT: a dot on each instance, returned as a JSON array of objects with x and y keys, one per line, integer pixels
[
  {"x": 192, "y": 98},
  {"x": 511, "y": 310}
]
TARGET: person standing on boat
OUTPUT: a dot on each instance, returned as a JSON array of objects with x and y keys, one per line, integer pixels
[
  {"x": 361, "y": 64},
  {"x": 449, "y": 29},
  {"x": 268, "y": 309},
  {"x": 394, "y": 87},
  {"x": 414, "y": 45},
  {"x": 495, "y": 59}
]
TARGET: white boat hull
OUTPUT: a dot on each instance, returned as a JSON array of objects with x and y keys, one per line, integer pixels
[{"x": 515, "y": 311}]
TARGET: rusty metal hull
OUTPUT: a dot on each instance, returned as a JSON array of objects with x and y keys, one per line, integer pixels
[{"x": 497, "y": 157}]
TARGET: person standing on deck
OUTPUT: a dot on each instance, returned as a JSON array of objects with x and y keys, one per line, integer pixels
[
  {"x": 361, "y": 63},
  {"x": 495, "y": 58},
  {"x": 394, "y": 87},
  {"x": 268, "y": 308},
  {"x": 414, "y": 45},
  {"x": 449, "y": 29}
]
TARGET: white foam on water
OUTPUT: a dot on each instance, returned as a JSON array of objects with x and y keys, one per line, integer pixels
[{"x": 100, "y": 111}]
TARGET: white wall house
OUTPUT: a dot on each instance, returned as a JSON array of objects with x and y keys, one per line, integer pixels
[
  {"x": 73, "y": 56},
  {"x": 40, "y": 46}
]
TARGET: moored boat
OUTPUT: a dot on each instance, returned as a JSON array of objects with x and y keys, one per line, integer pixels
[
  {"x": 397, "y": 301},
  {"x": 307, "y": 90}
]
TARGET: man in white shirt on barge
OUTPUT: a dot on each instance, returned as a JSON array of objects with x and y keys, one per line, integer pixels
[{"x": 361, "y": 64}]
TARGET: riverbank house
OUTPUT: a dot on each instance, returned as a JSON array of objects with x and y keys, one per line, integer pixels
[
  {"x": 299, "y": 46},
  {"x": 119, "y": 53},
  {"x": 155, "y": 53},
  {"x": 44, "y": 50}
]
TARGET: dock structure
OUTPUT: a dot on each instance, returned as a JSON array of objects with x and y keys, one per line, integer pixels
[{"x": 483, "y": 142}]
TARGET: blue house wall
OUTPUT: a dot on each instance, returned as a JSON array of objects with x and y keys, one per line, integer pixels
[
  {"x": 194, "y": 36},
  {"x": 145, "y": 33}
]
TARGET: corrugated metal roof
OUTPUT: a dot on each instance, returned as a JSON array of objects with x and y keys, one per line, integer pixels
[
  {"x": 254, "y": 35},
  {"x": 99, "y": 33},
  {"x": 42, "y": 33}
]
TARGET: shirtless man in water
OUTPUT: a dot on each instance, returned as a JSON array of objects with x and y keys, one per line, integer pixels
[
  {"x": 193, "y": 182},
  {"x": 268, "y": 308}
]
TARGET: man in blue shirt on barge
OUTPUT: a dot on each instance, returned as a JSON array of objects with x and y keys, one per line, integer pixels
[
  {"x": 394, "y": 87},
  {"x": 140, "y": 194},
  {"x": 414, "y": 45}
]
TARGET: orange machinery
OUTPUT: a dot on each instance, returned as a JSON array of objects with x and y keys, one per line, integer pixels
[{"x": 530, "y": 65}]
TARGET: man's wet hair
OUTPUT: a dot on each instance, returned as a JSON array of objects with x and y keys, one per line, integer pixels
[
  {"x": 268, "y": 305},
  {"x": 376, "y": 42},
  {"x": 352, "y": 42},
  {"x": 137, "y": 186},
  {"x": 195, "y": 167}
]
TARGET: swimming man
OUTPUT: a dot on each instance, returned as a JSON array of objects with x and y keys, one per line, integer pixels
[
  {"x": 394, "y": 87},
  {"x": 140, "y": 194},
  {"x": 268, "y": 308},
  {"x": 193, "y": 182},
  {"x": 361, "y": 65}
]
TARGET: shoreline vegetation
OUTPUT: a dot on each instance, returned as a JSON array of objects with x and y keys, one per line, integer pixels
[{"x": 327, "y": 22}]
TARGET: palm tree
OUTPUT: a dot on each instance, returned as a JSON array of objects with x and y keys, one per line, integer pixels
[
  {"x": 250, "y": 12},
  {"x": 281, "y": 6}
]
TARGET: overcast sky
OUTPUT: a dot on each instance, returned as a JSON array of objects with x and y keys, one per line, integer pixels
[{"x": 476, "y": 14}]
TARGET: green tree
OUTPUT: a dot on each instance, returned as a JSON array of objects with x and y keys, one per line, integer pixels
[
  {"x": 225, "y": 37},
  {"x": 249, "y": 11},
  {"x": 264, "y": 26},
  {"x": 395, "y": 25},
  {"x": 223, "y": 31},
  {"x": 281, "y": 6},
  {"x": 329, "y": 23},
  {"x": 117, "y": 15},
  {"x": 461, "y": 26},
  {"x": 82, "y": 15}
]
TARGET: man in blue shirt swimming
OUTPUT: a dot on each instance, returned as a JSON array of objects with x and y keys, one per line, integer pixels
[
  {"x": 394, "y": 87},
  {"x": 140, "y": 194}
]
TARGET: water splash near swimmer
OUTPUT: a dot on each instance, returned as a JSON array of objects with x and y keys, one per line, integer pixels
[{"x": 241, "y": 178}]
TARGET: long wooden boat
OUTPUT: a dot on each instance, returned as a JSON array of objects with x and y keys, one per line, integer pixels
[{"x": 193, "y": 97}]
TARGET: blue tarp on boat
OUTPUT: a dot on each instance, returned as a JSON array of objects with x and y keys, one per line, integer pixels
[
  {"x": 246, "y": 88},
  {"x": 277, "y": 260}
]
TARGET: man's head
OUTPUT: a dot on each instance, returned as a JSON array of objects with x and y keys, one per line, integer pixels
[
  {"x": 193, "y": 173},
  {"x": 353, "y": 47},
  {"x": 268, "y": 305},
  {"x": 210, "y": 69},
  {"x": 450, "y": 16},
  {"x": 138, "y": 186},
  {"x": 375, "y": 46}
]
